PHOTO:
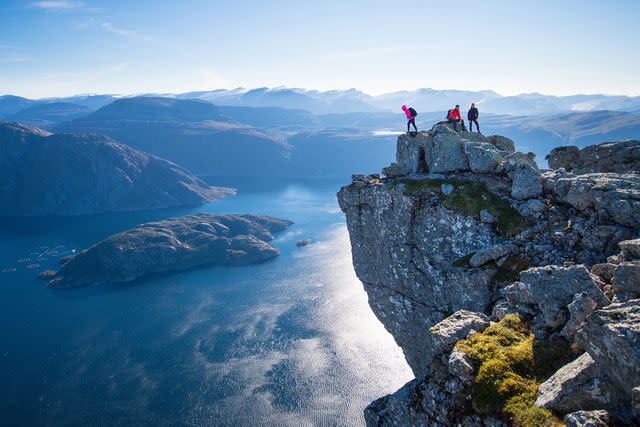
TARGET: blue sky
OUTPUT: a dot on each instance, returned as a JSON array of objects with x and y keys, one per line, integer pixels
[{"x": 64, "y": 47}]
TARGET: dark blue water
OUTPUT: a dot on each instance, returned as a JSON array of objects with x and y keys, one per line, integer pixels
[{"x": 288, "y": 342}]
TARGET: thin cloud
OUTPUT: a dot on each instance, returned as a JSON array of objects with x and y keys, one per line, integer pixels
[
  {"x": 108, "y": 26},
  {"x": 57, "y": 4}
]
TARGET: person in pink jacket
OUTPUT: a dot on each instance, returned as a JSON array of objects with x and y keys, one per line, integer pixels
[{"x": 411, "y": 117}]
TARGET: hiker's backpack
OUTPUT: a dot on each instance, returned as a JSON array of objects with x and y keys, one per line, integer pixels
[
  {"x": 413, "y": 112},
  {"x": 448, "y": 112}
]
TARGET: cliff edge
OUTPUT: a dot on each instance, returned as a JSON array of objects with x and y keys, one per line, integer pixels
[{"x": 464, "y": 239}]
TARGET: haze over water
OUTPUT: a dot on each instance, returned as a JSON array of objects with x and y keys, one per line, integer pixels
[{"x": 288, "y": 342}]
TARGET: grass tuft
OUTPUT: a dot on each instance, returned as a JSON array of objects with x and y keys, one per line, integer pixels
[{"x": 510, "y": 368}]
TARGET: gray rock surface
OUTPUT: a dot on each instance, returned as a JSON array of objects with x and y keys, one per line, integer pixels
[
  {"x": 579, "y": 309},
  {"x": 56, "y": 174},
  {"x": 527, "y": 182},
  {"x": 635, "y": 401},
  {"x": 394, "y": 169},
  {"x": 619, "y": 157},
  {"x": 460, "y": 366},
  {"x": 491, "y": 253},
  {"x": 502, "y": 143},
  {"x": 612, "y": 337},
  {"x": 630, "y": 249},
  {"x": 172, "y": 245},
  {"x": 455, "y": 327},
  {"x": 444, "y": 152},
  {"x": 626, "y": 281},
  {"x": 615, "y": 197},
  {"x": 552, "y": 289},
  {"x": 403, "y": 247},
  {"x": 576, "y": 386},
  {"x": 483, "y": 157},
  {"x": 597, "y": 418}
]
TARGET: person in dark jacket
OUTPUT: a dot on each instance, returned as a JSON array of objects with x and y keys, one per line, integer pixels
[{"x": 472, "y": 115}]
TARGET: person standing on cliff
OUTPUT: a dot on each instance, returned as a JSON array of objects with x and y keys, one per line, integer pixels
[
  {"x": 472, "y": 116},
  {"x": 411, "y": 117}
]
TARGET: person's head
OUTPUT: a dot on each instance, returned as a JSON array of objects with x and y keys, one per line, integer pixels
[
  {"x": 404, "y": 107},
  {"x": 473, "y": 104},
  {"x": 457, "y": 107}
]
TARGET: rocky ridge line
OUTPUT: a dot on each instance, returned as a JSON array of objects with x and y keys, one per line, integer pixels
[{"x": 463, "y": 224}]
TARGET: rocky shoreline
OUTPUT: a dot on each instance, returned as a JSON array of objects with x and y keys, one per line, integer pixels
[
  {"x": 463, "y": 239},
  {"x": 171, "y": 245}
]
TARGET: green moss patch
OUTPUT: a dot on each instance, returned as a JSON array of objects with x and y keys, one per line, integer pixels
[
  {"x": 510, "y": 270},
  {"x": 510, "y": 369},
  {"x": 470, "y": 198}
]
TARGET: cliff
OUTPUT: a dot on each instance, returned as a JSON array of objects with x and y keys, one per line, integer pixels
[
  {"x": 55, "y": 174},
  {"x": 463, "y": 233}
]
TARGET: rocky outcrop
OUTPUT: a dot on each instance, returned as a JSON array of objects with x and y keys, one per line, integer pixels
[
  {"x": 172, "y": 245},
  {"x": 619, "y": 157},
  {"x": 54, "y": 174},
  {"x": 464, "y": 224}
]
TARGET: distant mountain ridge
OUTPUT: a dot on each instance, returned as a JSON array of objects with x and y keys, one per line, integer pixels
[{"x": 55, "y": 174}]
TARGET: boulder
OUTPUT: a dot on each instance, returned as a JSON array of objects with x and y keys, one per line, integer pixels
[
  {"x": 618, "y": 157},
  {"x": 394, "y": 169},
  {"x": 460, "y": 366},
  {"x": 502, "y": 143},
  {"x": 630, "y": 249},
  {"x": 552, "y": 289},
  {"x": 410, "y": 152},
  {"x": 444, "y": 152},
  {"x": 604, "y": 271},
  {"x": 527, "y": 183},
  {"x": 626, "y": 281},
  {"x": 612, "y": 337},
  {"x": 614, "y": 197},
  {"x": 449, "y": 331},
  {"x": 532, "y": 208},
  {"x": 501, "y": 309},
  {"x": 562, "y": 157},
  {"x": 597, "y": 418},
  {"x": 487, "y": 217},
  {"x": 579, "y": 309},
  {"x": 513, "y": 160},
  {"x": 483, "y": 157},
  {"x": 492, "y": 253},
  {"x": 576, "y": 386}
]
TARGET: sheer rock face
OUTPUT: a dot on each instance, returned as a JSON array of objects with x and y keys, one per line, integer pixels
[
  {"x": 403, "y": 248},
  {"x": 619, "y": 157},
  {"x": 462, "y": 230},
  {"x": 172, "y": 245},
  {"x": 54, "y": 174}
]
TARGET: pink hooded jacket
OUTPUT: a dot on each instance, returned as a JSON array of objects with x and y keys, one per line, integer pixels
[{"x": 407, "y": 112}]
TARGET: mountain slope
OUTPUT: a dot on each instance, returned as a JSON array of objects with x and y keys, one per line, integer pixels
[
  {"x": 192, "y": 133},
  {"x": 45, "y": 115},
  {"x": 55, "y": 174}
]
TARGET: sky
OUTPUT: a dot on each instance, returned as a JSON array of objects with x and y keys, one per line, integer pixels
[{"x": 65, "y": 47}]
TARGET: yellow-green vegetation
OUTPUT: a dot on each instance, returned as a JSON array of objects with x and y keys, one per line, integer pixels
[
  {"x": 510, "y": 367},
  {"x": 470, "y": 198}
]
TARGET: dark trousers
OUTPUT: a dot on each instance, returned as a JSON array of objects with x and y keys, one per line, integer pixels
[
  {"x": 471, "y": 122},
  {"x": 412, "y": 122}
]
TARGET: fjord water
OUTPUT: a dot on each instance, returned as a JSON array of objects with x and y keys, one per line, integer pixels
[{"x": 288, "y": 342}]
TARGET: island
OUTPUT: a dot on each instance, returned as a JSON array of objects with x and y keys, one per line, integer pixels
[{"x": 171, "y": 245}]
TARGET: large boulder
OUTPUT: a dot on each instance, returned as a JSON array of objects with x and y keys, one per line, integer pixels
[
  {"x": 552, "y": 289},
  {"x": 619, "y": 157},
  {"x": 502, "y": 143},
  {"x": 626, "y": 281},
  {"x": 611, "y": 336},
  {"x": 444, "y": 152},
  {"x": 491, "y": 253},
  {"x": 410, "y": 152},
  {"x": 576, "y": 386},
  {"x": 527, "y": 183},
  {"x": 614, "y": 197},
  {"x": 483, "y": 157},
  {"x": 630, "y": 249}
]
